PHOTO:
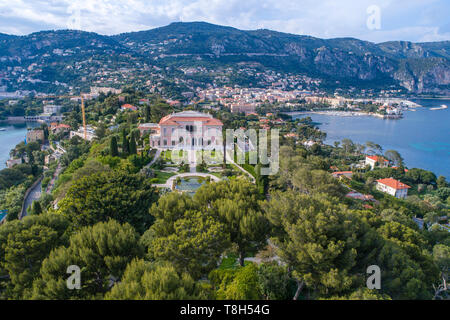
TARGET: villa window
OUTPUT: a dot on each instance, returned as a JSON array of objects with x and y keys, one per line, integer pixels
[{"x": 165, "y": 142}]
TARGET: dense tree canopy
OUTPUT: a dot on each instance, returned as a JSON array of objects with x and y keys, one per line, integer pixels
[
  {"x": 155, "y": 281},
  {"x": 24, "y": 244},
  {"x": 325, "y": 244},
  {"x": 102, "y": 252},
  {"x": 109, "y": 195},
  {"x": 235, "y": 204}
]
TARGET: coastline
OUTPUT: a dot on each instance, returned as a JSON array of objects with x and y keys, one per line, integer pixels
[
  {"x": 410, "y": 105},
  {"x": 15, "y": 133},
  {"x": 418, "y": 137},
  {"x": 345, "y": 114}
]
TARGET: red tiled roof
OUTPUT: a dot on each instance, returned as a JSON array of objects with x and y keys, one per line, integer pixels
[
  {"x": 214, "y": 122},
  {"x": 291, "y": 135},
  {"x": 168, "y": 120},
  {"x": 128, "y": 106},
  {"x": 395, "y": 184},
  {"x": 377, "y": 158}
]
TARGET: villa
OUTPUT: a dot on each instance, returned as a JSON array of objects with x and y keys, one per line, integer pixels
[
  {"x": 187, "y": 129},
  {"x": 58, "y": 128},
  {"x": 35, "y": 135},
  {"x": 393, "y": 187},
  {"x": 373, "y": 161},
  {"x": 128, "y": 107}
]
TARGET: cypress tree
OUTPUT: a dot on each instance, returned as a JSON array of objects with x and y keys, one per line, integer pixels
[
  {"x": 147, "y": 113},
  {"x": 125, "y": 144},
  {"x": 133, "y": 149},
  {"x": 36, "y": 208},
  {"x": 113, "y": 149}
]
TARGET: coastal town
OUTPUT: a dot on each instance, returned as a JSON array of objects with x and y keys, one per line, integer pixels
[
  {"x": 236, "y": 169},
  {"x": 193, "y": 132}
]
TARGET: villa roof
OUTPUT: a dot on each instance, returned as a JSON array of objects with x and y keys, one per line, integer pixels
[
  {"x": 190, "y": 116},
  {"x": 128, "y": 106},
  {"x": 395, "y": 184},
  {"x": 377, "y": 158}
]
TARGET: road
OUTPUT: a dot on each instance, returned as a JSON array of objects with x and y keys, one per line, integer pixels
[
  {"x": 34, "y": 194},
  {"x": 36, "y": 191},
  {"x": 51, "y": 184}
]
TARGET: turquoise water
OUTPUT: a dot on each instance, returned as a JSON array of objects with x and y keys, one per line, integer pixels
[
  {"x": 422, "y": 137},
  {"x": 14, "y": 134},
  {"x": 3, "y": 214},
  {"x": 190, "y": 185}
]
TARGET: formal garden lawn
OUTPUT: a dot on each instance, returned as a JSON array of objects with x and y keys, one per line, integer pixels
[{"x": 162, "y": 177}]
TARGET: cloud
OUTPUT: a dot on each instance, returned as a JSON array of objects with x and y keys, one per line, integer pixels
[{"x": 415, "y": 20}]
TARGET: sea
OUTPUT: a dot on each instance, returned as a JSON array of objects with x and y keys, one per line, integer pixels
[
  {"x": 11, "y": 136},
  {"x": 422, "y": 137}
]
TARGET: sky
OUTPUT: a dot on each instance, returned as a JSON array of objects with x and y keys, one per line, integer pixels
[{"x": 372, "y": 20}]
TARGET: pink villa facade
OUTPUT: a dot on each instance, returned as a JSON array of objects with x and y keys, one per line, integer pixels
[{"x": 186, "y": 130}]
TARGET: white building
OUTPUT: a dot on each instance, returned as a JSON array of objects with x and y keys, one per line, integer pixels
[
  {"x": 373, "y": 161},
  {"x": 95, "y": 91},
  {"x": 12, "y": 162},
  {"x": 90, "y": 133},
  {"x": 187, "y": 129},
  {"x": 393, "y": 187},
  {"x": 51, "y": 109}
]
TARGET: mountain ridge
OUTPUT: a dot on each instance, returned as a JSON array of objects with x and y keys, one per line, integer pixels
[{"x": 418, "y": 67}]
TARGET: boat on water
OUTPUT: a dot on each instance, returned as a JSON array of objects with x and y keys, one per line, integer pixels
[
  {"x": 2, "y": 129},
  {"x": 442, "y": 107}
]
